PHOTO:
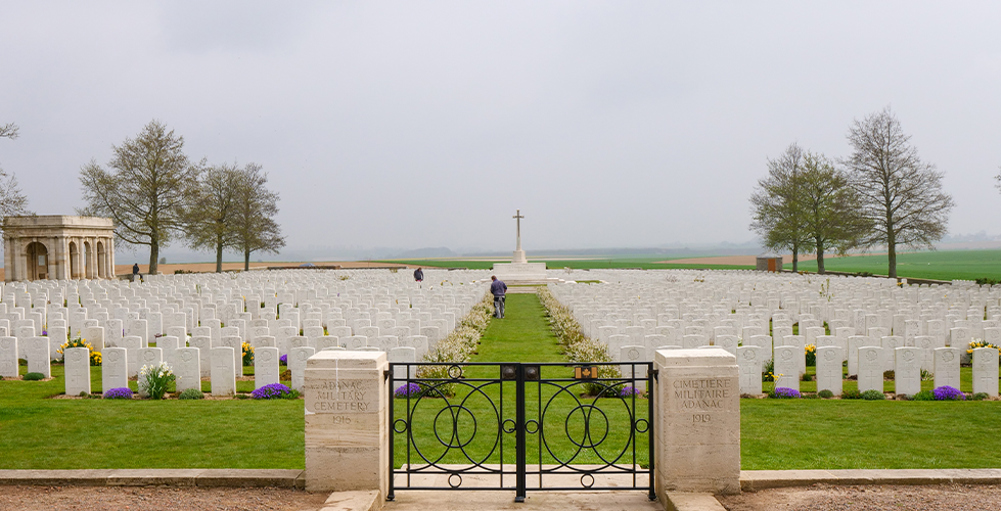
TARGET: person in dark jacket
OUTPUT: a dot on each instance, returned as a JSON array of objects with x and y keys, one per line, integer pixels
[
  {"x": 498, "y": 288},
  {"x": 418, "y": 274},
  {"x": 135, "y": 272}
]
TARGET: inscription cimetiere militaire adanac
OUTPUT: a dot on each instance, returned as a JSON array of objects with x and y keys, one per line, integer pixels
[
  {"x": 343, "y": 396},
  {"x": 701, "y": 393}
]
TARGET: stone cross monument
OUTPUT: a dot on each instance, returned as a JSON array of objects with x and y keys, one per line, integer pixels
[{"x": 519, "y": 254}]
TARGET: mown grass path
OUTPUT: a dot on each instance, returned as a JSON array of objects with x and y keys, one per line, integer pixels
[
  {"x": 482, "y": 403},
  {"x": 522, "y": 336}
]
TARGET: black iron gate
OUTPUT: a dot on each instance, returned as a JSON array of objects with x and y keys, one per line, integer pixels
[{"x": 521, "y": 427}]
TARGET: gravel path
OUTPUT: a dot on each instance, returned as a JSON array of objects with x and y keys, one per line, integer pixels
[
  {"x": 869, "y": 498},
  {"x": 76, "y": 498},
  {"x": 814, "y": 498}
]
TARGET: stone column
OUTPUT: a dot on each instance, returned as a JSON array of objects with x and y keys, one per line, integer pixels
[
  {"x": 52, "y": 259},
  {"x": 21, "y": 263},
  {"x": 111, "y": 257},
  {"x": 697, "y": 426},
  {"x": 8, "y": 259},
  {"x": 91, "y": 259},
  {"x": 347, "y": 430}
]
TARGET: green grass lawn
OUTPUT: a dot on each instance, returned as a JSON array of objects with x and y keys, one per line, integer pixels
[
  {"x": 39, "y": 432},
  {"x": 852, "y": 434},
  {"x": 939, "y": 264}
]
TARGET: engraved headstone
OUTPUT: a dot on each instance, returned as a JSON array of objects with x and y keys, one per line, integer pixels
[
  {"x": 187, "y": 369},
  {"x": 829, "y": 369},
  {"x": 223, "y": 371},
  {"x": 265, "y": 366},
  {"x": 114, "y": 369}
]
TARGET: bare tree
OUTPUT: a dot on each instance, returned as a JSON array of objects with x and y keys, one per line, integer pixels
[
  {"x": 211, "y": 213},
  {"x": 830, "y": 209},
  {"x": 901, "y": 195},
  {"x": 253, "y": 222},
  {"x": 147, "y": 190},
  {"x": 9, "y": 130},
  {"x": 12, "y": 201},
  {"x": 776, "y": 207}
]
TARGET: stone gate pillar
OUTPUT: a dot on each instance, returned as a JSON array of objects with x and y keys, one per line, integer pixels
[
  {"x": 347, "y": 422},
  {"x": 697, "y": 426}
]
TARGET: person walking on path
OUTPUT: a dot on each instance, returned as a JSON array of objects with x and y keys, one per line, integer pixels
[
  {"x": 418, "y": 274},
  {"x": 498, "y": 288},
  {"x": 135, "y": 272}
]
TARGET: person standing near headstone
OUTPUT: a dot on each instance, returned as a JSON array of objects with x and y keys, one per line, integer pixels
[
  {"x": 498, "y": 288},
  {"x": 135, "y": 272},
  {"x": 418, "y": 274}
]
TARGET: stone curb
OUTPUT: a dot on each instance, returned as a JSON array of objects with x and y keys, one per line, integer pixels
[
  {"x": 682, "y": 501},
  {"x": 753, "y": 480},
  {"x": 353, "y": 501},
  {"x": 204, "y": 478}
]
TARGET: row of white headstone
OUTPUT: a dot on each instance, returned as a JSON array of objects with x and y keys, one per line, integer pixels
[
  {"x": 637, "y": 312},
  {"x": 376, "y": 305},
  {"x": 201, "y": 355}
]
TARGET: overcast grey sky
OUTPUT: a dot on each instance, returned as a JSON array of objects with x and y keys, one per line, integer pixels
[{"x": 418, "y": 124}]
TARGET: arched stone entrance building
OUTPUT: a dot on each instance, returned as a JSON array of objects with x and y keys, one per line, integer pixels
[{"x": 58, "y": 247}]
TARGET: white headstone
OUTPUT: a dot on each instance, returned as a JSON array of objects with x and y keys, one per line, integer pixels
[
  {"x": 8, "y": 357},
  {"x": 829, "y": 369},
  {"x": 870, "y": 364},
  {"x": 36, "y": 350},
  {"x": 77, "y": 366},
  {"x": 265, "y": 367},
  {"x": 235, "y": 342},
  {"x": 749, "y": 360},
  {"x": 985, "y": 371},
  {"x": 204, "y": 345},
  {"x": 132, "y": 344},
  {"x": 223, "y": 371},
  {"x": 114, "y": 369},
  {"x": 187, "y": 369},
  {"x": 297, "y": 365},
  {"x": 786, "y": 367},
  {"x": 907, "y": 370},
  {"x": 149, "y": 357},
  {"x": 947, "y": 367}
]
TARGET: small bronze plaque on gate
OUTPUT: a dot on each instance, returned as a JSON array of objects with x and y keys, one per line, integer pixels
[{"x": 585, "y": 373}]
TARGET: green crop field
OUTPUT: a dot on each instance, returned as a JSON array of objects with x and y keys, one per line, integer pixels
[
  {"x": 597, "y": 262},
  {"x": 939, "y": 264}
]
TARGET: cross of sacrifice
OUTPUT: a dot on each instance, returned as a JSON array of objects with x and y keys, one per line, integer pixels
[{"x": 518, "y": 216}]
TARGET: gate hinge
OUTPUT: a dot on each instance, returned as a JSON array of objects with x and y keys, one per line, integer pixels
[
  {"x": 653, "y": 372},
  {"x": 387, "y": 373}
]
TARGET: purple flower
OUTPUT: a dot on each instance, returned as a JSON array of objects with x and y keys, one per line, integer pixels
[
  {"x": 119, "y": 393},
  {"x": 408, "y": 390},
  {"x": 785, "y": 393},
  {"x": 45, "y": 333},
  {"x": 630, "y": 391},
  {"x": 947, "y": 393},
  {"x": 283, "y": 360},
  {"x": 272, "y": 391}
]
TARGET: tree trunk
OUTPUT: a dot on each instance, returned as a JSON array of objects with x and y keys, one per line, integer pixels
[
  {"x": 820, "y": 258},
  {"x": 891, "y": 255},
  {"x": 154, "y": 256},
  {"x": 218, "y": 257},
  {"x": 246, "y": 260},
  {"x": 795, "y": 257}
]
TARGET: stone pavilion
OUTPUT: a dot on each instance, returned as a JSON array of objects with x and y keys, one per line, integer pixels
[{"x": 58, "y": 247}]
